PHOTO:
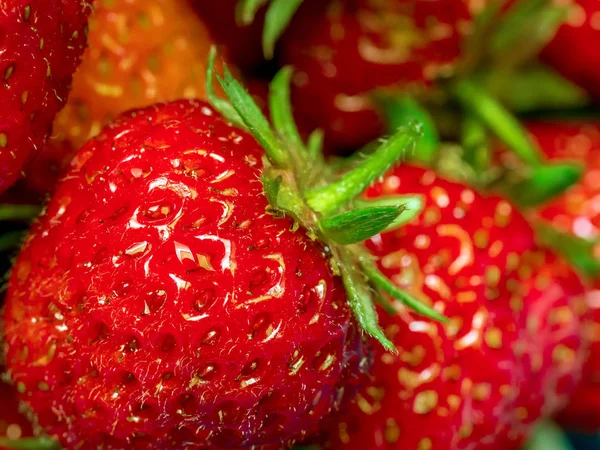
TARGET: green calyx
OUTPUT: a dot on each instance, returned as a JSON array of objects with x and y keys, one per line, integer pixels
[
  {"x": 39, "y": 443},
  {"x": 299, "y": 184},
  {"x": 278, "y": 16}
]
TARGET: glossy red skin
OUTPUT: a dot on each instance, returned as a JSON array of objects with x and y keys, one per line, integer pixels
[
  {"x": 510, "y": 350},
  {"x": 243, "y": 44},
  {"x": 13, "y": 424},
  {"x": 342, "y": 49},
  {"x": 574, "y": 51},
  {"x": 576, "y": 212},
  {"x": 156, "y": 282},
  {"x": 40, "y": 51}
]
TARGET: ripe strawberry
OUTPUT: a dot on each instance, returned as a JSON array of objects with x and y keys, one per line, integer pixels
[
  {"x": 510, "y": 351},
  {"x": 41, "y": 44},
  {"x": 140, "y": 52},
  {"x": 181, "y": 313},
  {"x": 356, "y": 46},
  {"x": 573, "y": 51},
  {"x": 576, "y": 213},
  {"x": 13, "y": 425}
]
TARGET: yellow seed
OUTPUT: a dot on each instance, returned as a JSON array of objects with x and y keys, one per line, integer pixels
[
  {"x": 493, "y": 338},
  {"x": 391, "y": 432},
  {"x": 425, "y": 444},
  {"x": 3, "y": 140},
  {"x": 9, "y": 71},
  {"x": 27, "y": 12},
  {"x": 425, "y": 402}
]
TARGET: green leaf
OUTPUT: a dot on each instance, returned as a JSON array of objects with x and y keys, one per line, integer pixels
[
  {"x": 400, "y": 111},
  {"x": 39, "y": 443},
  {"x": 497, "y": 119},
  {"x": 11, "y": 240},
  {"x": 475, "y": 144},
  {"x": 19, "y": 212},
  {"x": 548, "y": 436},
  {"x": 328, "y": 199},
  {"x": 271, "y": 188},
  {"x": 386, "y": 285},
  {"x": 361, "y": 301},
  {"x": 358, "y": 225},
  {"x": 580, "y": 252},
  {"x": 281, "y": 109},
  {"x": 315, "y": 144},
  {"x": 413, "y": 206},
  {"x": 221, "y": 105},
  {"x": 527, "y": 27},
  {"x": 253, "y": 117},
  {"x": 278, "y": 17},
  {"x": 246, "y": 10},
  {"x": 545, "y": 183}
]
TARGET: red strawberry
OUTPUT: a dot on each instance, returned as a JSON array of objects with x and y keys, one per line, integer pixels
[
  {"x": 41, "y": 43},
  {"x": 573, "y": 51},
  {"x": 158, "y": 303},
  {"x": 510, "y": 351},
  {"x": 577, "y": 213},
  {"x": 356, "y": 46},
  {"x": 13, "y": 425}
]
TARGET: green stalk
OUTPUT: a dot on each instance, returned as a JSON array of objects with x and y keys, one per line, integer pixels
[
  {"x": 331, "y": 198},
  {"x": 278, "y": 17},
  {"x": 39, "y": 443},
  {"x": 19, "y": 212},
  {"x": 497, "y": 119},
  {"x": 281, "y": 110},
  {"x": 246, "y": 10}
]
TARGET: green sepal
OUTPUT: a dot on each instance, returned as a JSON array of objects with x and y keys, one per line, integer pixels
[
  {"x": 579, "y": 251},
  {"x": 331, "y": 198},
  {"x": 278, "y": 17},
  {"x": 246, "y": 10},
  {"x": 497, "y": 119},
  {"x": 11, "y": 240},
  {"x": 385, "y": 284},
  {"x": 360, "y": 299},
  {"x": 357, "y": 225},
  {"x": 253, "y": 118},
  {"x": 413, "y": 206},
  {"x": 547, "y": 436},
  {"x": 525, "y": 29},
  {"x": 284, "y": 198},
  {"x": 544, "y": 183},
  {"x": 19, "y": 212},
  {"x": 39, "y": 443},
  {"x": 271, "y": 188},
  {"x": 474, "y": 141},
  {"x": 314, "y": 146},
  {"x": 281, "y": 110},
  {"x": 399, "y": 111},
  {"x": 220, "y": 104}
]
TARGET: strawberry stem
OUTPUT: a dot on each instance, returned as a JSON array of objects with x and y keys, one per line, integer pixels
[
  {"x": 357, "y": 225},
  {"x": 246, "y": 10},
  {"x": 281, "y": 110},
  {"x": 360, "y": 299},
  {"x": 580, "y": 252},
  {"x": 39, "y": 443},
  {"x": 253, "y": 118},
  {"x": 278, "y": 17},
  {"x": 9, "y": 241},
  {"x": 400, "y": 111},
  {"x": 331, "y": 198},
  {"x": 19, "y": 212},
  {"x": 221, "y": 105},
  {"x": 412, "y": 204},
  {"x": 383, "y": 283},
  {"x": 499, "y": 120}
]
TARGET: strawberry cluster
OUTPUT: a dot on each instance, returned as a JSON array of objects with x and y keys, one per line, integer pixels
[{"x": 359, "y": 224}]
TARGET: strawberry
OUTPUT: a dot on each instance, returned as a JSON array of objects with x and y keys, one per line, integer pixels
[
  {"x": 510, "y": 351},
  {"x": 13, "y": 425},
  {"x": 576, "y": 214},
  {"x": 356, "y": 46},
  {"x": 579, "y": 32},
  {"x": 41, "y": 45},
  {"x": 140, "y": 52}
]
